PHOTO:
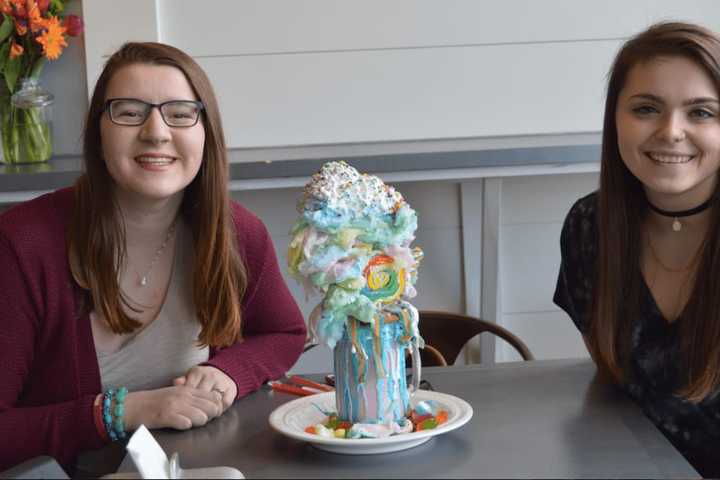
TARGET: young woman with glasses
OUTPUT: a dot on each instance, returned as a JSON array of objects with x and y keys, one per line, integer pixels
[
  {"x": 143, "y": 294},
  {"x": 641, "y": 256}
]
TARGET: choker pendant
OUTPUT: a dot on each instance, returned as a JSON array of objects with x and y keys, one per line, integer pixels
[{"x": 676, "y": 216}]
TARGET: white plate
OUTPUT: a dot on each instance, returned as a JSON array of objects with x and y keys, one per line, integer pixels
[{"x": 292, "y": 418}]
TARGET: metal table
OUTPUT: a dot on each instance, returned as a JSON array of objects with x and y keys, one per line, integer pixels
[{"x": 531, "y": 419}]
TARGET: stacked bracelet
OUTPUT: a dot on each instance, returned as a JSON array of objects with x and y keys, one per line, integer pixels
[
  {"x": 113, "y": 414},
  {"x": 98, "y": 417}
]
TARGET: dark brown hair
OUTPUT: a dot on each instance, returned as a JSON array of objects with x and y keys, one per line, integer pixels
[
  {"x": 96, "y": 238},
  {"x": 621, "y": 209}
]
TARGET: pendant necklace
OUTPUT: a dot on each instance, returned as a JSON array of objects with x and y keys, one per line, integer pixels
[
  {"x": 665, "y": 266},
  {"x": 144, "y": 278},
  {"x": 676, "y": 216}
]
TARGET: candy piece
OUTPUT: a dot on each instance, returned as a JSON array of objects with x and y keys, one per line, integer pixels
[
  {"x": 428, "y": 424},
  {"x": 405, "y": 426},
  {"x": 426, "y": 407},
  {"x": 442, "y": 417},
  {"x": 416, "y": 418},
  {"x": 321, "y": 430},
  {"x": 345, "y": 429},
  {"x": 385, "y": 279},
  {"x": 332, "y": 422}
]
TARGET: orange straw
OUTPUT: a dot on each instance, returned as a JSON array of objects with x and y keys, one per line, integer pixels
[
  {"x": 292, "y": 389},
  {"x": 309, "y": 383}
]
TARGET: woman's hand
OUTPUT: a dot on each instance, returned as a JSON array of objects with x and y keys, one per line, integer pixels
[
  {"x": 180, "y": 407},
  {"x": 209, "y": 379}
]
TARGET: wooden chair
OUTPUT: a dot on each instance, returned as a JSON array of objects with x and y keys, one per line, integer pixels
[{"x": 446, "y": 333}]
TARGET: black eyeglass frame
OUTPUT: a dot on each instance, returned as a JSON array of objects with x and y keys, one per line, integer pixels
[{"x": 106, "y": 108}]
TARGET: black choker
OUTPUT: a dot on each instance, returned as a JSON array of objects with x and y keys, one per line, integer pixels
[{"x": 677, "y": 226}]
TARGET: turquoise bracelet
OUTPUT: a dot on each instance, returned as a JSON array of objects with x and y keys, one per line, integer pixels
[
  {"x": 119, "y": 412},
  {"x": 113, "y": 417}
]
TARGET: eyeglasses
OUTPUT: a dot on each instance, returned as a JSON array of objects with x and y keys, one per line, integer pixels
[{"x": 134, "y": 112}]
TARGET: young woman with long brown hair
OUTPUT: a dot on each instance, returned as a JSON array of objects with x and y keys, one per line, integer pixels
[
  {"x": 142, "y": 295},
  {"x": 640, "y": 272}
]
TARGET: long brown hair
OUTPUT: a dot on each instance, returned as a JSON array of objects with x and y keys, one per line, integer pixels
[
  {"x": 96, "y": 238},
  {"x": 621, "y": 209}
]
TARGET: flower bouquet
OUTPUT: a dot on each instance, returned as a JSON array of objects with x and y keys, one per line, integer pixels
[{"x": 31, "y": 32}]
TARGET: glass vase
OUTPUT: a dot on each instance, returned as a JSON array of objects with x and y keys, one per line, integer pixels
[{"x": 26, "y": 124}]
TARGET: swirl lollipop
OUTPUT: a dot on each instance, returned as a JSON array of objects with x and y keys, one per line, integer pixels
[{"x": 385, "y": 279}]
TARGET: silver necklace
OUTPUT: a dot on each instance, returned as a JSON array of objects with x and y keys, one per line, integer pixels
[{"x": 143, "y": 279}]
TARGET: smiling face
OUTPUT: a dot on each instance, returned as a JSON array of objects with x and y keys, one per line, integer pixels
[
  {"x": 152, "y": 161},
  {"x": 668, "y": 122}
]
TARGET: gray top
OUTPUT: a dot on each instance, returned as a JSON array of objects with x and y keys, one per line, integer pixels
[
  {"x": 532, "y": 419},
  {"x": 166, "y": 348}
]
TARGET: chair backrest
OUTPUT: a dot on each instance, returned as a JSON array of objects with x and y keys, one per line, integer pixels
[{"x": 447, "y": 333}]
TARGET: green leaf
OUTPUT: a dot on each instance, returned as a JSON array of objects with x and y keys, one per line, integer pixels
[
  {"x": 7, "y": 27},
  {"x": 56, "y": 7},
  {"x": 37, "y": 67},
  {"x": 4, "y": 54},
  {"x": 12, "y": 72}
]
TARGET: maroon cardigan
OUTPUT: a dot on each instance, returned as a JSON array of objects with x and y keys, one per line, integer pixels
[{"x": 49, "y": 374}]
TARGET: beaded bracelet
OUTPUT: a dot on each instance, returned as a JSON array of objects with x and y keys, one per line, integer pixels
[
  {"x": 107, "y": 414},
  {"x": 113, "y": 417},
  {"x": 98, "y": 417},
  {"x": 119, "y": 412}
]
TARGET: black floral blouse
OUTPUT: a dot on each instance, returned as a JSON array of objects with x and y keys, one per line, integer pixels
[{"x": 694, "y": 429}]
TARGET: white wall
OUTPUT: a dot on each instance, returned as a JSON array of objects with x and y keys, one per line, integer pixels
[
  {"x": 292, "y": 73},
  {"x": 533, "y": 210}
]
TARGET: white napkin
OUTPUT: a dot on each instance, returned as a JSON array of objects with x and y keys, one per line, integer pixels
[
  {"x": 147, "y": 454},
  {"x": 151, "y": 461}
]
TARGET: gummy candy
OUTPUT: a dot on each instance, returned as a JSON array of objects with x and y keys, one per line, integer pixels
[{"x": 334, "y": 427}]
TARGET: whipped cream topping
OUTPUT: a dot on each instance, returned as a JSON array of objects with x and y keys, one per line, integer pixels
[{"x": 338, "y": 186}]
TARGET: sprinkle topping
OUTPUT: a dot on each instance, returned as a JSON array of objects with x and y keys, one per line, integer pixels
[{"x": 340, "y": 187}]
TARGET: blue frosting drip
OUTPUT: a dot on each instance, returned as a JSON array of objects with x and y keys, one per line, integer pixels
[{"x": 353, "y": 385}]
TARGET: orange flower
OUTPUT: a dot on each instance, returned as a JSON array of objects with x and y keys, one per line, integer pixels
[
  {"x": 20, "y": 27},
  {"x": 6, "y": 7},
  {"x": 19, "y": 8},
  {"x": 37, "y": 23},
  {"x": 53, "y": 39},
  {"x": 15, "y": 50}
]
